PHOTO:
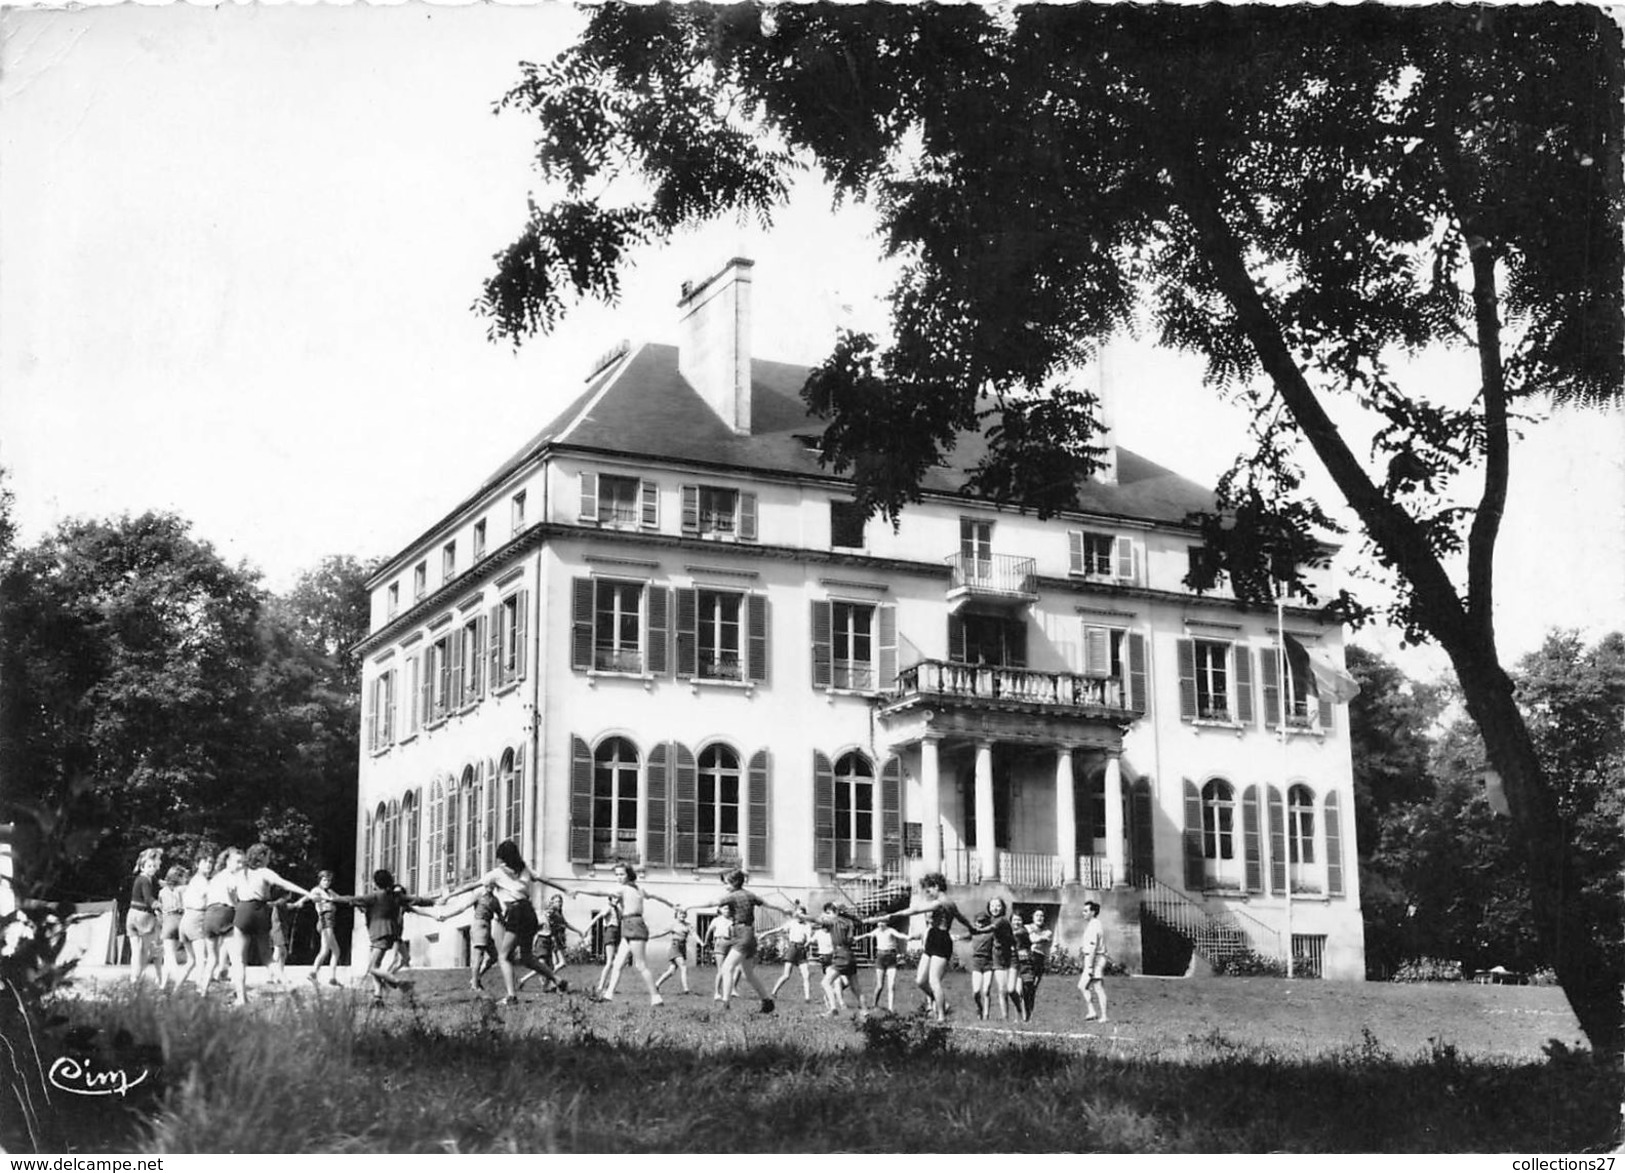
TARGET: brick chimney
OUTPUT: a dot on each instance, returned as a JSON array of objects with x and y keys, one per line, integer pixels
[
  {"x": 1107, "y": 373},
  {"x": 713, "y": 341}
]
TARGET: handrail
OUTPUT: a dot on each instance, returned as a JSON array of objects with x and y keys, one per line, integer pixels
[
  {"x": 954, "y": 678},
  {"x": 1218, "y": 933},
  {"x": 1001, "y": 574}
]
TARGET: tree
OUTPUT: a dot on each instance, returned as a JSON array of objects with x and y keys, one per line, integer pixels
[{"x": 1297, "y": 194}]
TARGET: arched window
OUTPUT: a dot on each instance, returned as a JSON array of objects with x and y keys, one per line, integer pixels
[
  {"x": 470, "y": 790},
  {"x": 854, "y": 812},
  {"x": 512, "y": 795},
  {"x": 449, "y": 832},
  {"x": 1300, "y": 831},
  {"x": 489, "y": 802},
  {"x": 615, "y": 801},
  {"x": 367, "y": 848},
  {"x": 392, "y": 839},
  {"x": 380, "y": 839},
  {"x": 719, "y": 807},
  {"x": 410, "y": 830},
  {"x": 437, "y": 836},
  {"x": 1219, "y": 833}
]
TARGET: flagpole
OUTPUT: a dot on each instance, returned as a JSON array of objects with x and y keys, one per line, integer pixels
[{"x": 1280, "y": 694}]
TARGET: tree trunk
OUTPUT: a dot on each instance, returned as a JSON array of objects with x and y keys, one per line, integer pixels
[{"x": 1588, "y": 974}]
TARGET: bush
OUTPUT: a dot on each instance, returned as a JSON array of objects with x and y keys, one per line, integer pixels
[
  {"x": 902, "y": 1036},
  {"x": 1250, "y": 964},
  {"x": 1428, "y": 969}
]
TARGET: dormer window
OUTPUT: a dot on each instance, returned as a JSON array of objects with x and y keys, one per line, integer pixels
[
  {"x": 1103, "y": 557},
  {"x": 711, "y": 511}
]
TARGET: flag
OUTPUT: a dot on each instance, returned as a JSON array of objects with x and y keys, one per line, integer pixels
[{"x": 1332, "y": 683}]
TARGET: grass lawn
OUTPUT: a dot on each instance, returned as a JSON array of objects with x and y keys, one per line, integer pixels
[{"x": 1199, "y": 1065}]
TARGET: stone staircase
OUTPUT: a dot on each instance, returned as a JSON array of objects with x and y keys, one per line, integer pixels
[{"x": 1216, "y": 934}]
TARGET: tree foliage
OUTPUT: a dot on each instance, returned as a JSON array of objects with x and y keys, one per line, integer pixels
[
  {"x": 1300, "y": 195},
  {"x": 153, "y": 695}
]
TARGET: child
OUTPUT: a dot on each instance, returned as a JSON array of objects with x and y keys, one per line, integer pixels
[
  {"x": 385, "y": 910},
  {"x": 796, "y": 936},
  {"x": 482, "y": 950},
  {"x": 843, "y": 970},
  {"x": 171, "y": 907},
  {"x": 141, "y": 920},
  {"x": 611, "y": 917},
  {"x": 634, "y": 946},
  {"x": 677, "y": 956},
  {"x": 825, "y": 949},
  {"x": 1093, "y": 980},
  {"x": 717, "y": 939},
  {"x": 889, "y": 939},
  {"x": 555, "y": 932},
  {"x": 1041, "y": 936},
  {"x": 324, "y": 899}
]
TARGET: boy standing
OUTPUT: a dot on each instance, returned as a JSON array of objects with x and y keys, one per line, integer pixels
[{"x": 1093, "y": 980}]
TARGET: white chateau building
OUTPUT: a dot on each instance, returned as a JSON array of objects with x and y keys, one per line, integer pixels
[{"x": 659, "y": 633}]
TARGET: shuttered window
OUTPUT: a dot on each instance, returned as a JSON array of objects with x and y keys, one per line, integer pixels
[
  {"x": 607, "y": 626},
  {"x": 615, "y": 802},
  {"x": 717, "y": 809},
  {"x": 711, "y": 511},
  {"x": 854, "y": 813}
]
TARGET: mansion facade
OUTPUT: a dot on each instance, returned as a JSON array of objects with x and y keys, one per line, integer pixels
[{"x": 661, "y": 633}]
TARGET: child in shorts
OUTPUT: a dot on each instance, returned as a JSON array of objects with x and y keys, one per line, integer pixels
[{"x": 1093, "y": 981}]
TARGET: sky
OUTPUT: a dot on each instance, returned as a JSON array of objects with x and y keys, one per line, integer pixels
[{"x": 239, "y": 246}]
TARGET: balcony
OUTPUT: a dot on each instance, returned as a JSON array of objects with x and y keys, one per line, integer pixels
[
  {"x": 995, "y": 578},
  {"x": 948, "y": 681}
]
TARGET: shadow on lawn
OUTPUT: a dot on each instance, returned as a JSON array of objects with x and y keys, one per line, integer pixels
[{"x": 324, "y": 1075}]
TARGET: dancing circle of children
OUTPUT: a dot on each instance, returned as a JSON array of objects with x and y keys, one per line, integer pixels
[
  {"x": 515, "y": 917},
  {"x": 940, "y": 913},
  {"x": 740, "y": 904},
  {"x": 634, "y": 935},
  {"x": 385, "y": 908},
  {"x": 797, "y": 935},
  {"x": 843, "y": 966}
]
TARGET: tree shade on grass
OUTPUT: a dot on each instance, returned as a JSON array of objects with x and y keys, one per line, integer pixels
[{"x": 1297, "y": 194}]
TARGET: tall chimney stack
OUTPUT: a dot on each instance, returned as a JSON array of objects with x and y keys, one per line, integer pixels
[
  {"x": 713, "y": 344},
  {"x": 1106, "y": 377}
]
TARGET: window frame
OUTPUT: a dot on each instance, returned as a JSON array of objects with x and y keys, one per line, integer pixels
[
  {"x": 516, "y": 512},
  {"x": 711, "y": 849},
  {"x": 707, "y": 617},
  {"x": 622, "y": 662},
  {"x": 448, "y": 561},
  {"x": 479, "y": 540},
  {"x": 844, "y": 670},
  {"x": 1223, "y": 865},
  {"x": 624, "y": 842},
  {"x": 853, "y": 850},
  {"x": 1223, "y": 651},
  {"x": 420, "y": 580}
]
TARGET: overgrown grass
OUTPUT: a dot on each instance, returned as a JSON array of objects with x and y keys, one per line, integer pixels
[{"x": 305, "y": 1074}]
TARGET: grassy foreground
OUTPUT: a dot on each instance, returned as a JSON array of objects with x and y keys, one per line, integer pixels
[{"x": 1218, "y": 1065}]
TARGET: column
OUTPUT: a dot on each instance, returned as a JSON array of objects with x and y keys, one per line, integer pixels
[
  {"x": 1066, "y": 817},
  {"x": 930, "y": 806},
  {"x": 986, "y": 852},
  {"x": 1116, "y": 858}
]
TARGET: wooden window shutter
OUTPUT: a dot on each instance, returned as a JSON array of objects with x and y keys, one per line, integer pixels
[
  {"x": 891, "y": 811},
  {"x": 886, "y": 616},
  {"x": 757, "y": 779},
  {"x": 649, "y": 496},
  {"x": 1193, "y": 837},
  {"x": 656, "y": 836},
  {"x": 659, "y": 629},
  {"x": 372, "y": 716},
  {"x": 426, "y": 687},
  {"x": 456, "y": 640},
  {"x": 1097, "y": 651},
  {"x": 1334, "y": 845},
  {"x": 521, "y": 621},
  {"x": 691, "y": 509},
  {"x": 1074, "y": 551},
  {"x": 956, "y": 639},
  {"x": 1244, "y": 683},
  {"x": 1277, "y": 841},
  {"x": 1137, "y": 692},
  {"x": 527, "y": 797},
  {"x": 1186, "y": 649},
  {"x": 1272, "y": 689},
  {"x": 1123, "y": 558},
  {"x": 1252, "y": 848},
  {"x": 1327, "y": 712},
  {"x": 687, "y": 631},
  {"x": 580, "y": 801},
  {"x": 1142, "y": 831},
  {"x": 581, "y": 592},
  {"x": 823, "y": 814},
  {"x": 391, "y": 702},
  {"x": 477, "y": 658},
  {"x": 685, "y": 807},
  {"x": 822, "y": 643},
  {"x": 589, "y": 497},
  {"x": 493, "y": 649},
  {"x": 747, "y": 517},
  {"x": 756, "y": 631}
]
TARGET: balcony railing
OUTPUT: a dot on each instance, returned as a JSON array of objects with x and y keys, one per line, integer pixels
[
  {"x": 854, "y": 856},
  {"x": 1094, "y": 872},
  {"x": 960, "y": 866},
  {"x": 993, "y": 574},
  {"x": 985, "y": 682},
  {"x": 1028, "y": 869}
]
